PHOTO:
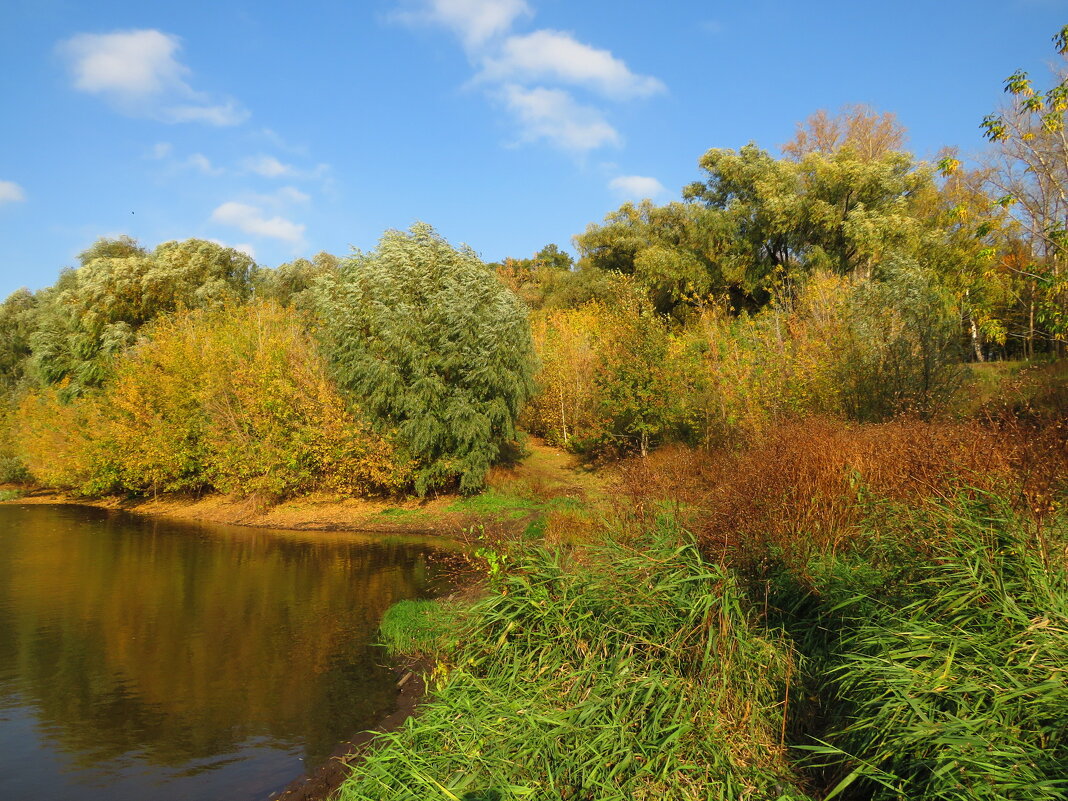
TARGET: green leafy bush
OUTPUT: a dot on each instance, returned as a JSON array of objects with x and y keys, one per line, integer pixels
[{"x": 430, "y": 343}]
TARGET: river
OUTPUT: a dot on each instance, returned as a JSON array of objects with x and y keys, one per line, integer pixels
[{"x": 143, "y": 658}]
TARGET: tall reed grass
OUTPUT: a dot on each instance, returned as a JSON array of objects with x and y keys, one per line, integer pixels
[
  {"x": 942, "y": 671},
  {"x": 608, "y": 673}
]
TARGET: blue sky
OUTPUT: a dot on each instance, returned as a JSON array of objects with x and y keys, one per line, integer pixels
[{"x": 291, "y": 128}]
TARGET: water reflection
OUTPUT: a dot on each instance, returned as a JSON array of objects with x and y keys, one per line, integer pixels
[{"x": 148, "y": 654}]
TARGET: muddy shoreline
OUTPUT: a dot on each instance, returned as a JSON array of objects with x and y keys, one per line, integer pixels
[{"x": 307, "y": 513}]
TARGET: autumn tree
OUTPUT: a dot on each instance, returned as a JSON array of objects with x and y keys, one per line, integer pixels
[
  {"x": 858, "y": 128},
  {"x": 637, "y": 390},
  {"x": 900, "y": 351},
  {"x": 1031, "y": 179},
  {"x": 92, "y": 313},
  {"x": 569, "y": 344},
  {"x": 834, "y": 211},
  {"x": 18, "y": 319},
  {"x": 675, "y": 250},
  {"x": 966, "y": 245},
  {"x": 289, "y": 284},
  {"x": 235, "y": 399},
  {"x": 537, "y": 279}
]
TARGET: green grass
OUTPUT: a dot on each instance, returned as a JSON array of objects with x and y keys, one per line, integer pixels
[
  {"x": 1041, "y": 385},
  {"x": 10, "y": 494},
  {"x": 417, "y": 628},
  {"x": 611, "y": 673},
  {"x": 492, "y": 503}
]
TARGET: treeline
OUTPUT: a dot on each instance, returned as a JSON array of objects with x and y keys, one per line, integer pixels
[
  {"x": 842, "y": 277},
  {"x": 189, "y": 368}
]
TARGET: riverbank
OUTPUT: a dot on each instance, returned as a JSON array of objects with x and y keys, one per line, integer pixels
[
  {"x": 544, "y": 480},
  {"x": 647, "y": 666},
  {"x": 307, "y": 513},
  {"x": 547, "y": 484}
]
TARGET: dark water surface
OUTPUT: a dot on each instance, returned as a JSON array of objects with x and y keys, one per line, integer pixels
[{"x": 146, "y": 659}]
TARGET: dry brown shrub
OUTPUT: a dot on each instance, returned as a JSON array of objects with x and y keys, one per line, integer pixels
[
  {"x": 569, "y": 527},
  {"x": 674, "y": 479},
  {"x": 809, "y": 483}
]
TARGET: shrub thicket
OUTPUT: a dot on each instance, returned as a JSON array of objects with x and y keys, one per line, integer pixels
[
  {"x": 808, "y": 485},
  {"x": 237, "y": 400},
  {"x": 620, "y": 378}
]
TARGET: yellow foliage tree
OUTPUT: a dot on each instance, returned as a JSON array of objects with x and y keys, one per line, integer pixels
[{"x": 237, "y": 400}]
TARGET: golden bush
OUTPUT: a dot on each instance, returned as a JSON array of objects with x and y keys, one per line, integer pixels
[{"x": 238, "y": 400}]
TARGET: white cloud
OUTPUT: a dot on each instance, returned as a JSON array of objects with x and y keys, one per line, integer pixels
[
  {"x": 474, "y": 21},
  {"x": 138, "y": 73},
  {"x": 553, "y": 115},
  {"x": 280, "y": 143},
  {"x": 290, "y": 194},
  {"x": 525, "y": 71},
  {"x": 636, "y": 187},
  {"x": 224, "y": 114},
  {"x": 130, "y": 64},
  {"x": 283, "y": 197},
  {"x": 199, "y": 161},
  {"x": 164, "y": 151},
  {"x": 252, "y": 220},
  {"x": 11, "y": 192},
  {"x": 558, "y": 56},
  {"x": 270, "y": 167}
]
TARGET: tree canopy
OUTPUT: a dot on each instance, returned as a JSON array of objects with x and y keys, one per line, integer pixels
[{"x": 94, "y": 311}]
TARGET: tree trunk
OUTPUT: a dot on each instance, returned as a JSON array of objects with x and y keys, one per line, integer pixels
[
  {"x": 1031, "y": 324},
  {"x": 977, "y": 343},
  {"x": 563, "y": 419}
]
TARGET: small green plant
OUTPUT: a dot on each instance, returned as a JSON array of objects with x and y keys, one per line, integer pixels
[
  {"x": 417, "y": 628},
  {"x": 495, "y": 561}
]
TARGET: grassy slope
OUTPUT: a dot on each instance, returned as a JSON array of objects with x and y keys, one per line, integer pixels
[{"x": 616, "y": 672}]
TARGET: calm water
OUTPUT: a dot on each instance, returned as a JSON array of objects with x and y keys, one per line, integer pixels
[{"x": 142, "y": 659}]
